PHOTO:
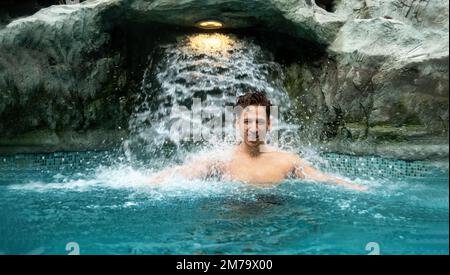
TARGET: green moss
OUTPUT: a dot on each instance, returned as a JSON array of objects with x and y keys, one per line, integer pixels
[
  {"x": 296, "y": 85},
  {"x": 357, "y": 130},
  {"x": 293, "y": 81},
  {"x": 403, "y": 116},
  {"x": 393, "y": 133}
]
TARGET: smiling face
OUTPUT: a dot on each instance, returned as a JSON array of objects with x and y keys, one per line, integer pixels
[{"x": 253, "y": 124}]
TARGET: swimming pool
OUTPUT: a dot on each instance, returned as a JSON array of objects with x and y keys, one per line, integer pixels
[{"x": 48, "y": 201}]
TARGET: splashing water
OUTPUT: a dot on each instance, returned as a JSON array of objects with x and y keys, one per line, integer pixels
[{"x": 207, "y": 71}]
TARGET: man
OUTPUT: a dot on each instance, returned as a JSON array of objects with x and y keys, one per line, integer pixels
[{"x": 252, "y": 161}]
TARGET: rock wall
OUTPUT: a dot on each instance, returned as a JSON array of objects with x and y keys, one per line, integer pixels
[
  {"x": 381, "y": 88},
  {"x": 57, "y": 79}
]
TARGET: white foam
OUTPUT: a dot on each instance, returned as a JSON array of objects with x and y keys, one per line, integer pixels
[{"x": 125, "y": 177}]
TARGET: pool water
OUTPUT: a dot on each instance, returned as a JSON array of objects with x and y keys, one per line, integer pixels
[{"x": 108, "y": 209}]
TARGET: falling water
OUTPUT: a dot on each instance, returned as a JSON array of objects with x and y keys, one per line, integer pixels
[{"x": 213, "y": 68}]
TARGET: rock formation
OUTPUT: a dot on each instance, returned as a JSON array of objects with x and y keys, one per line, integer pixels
[{"x": 380, "y": 87}]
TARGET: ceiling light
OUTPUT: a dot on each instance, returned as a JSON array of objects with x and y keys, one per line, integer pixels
[{"x": 209, "y": 24}]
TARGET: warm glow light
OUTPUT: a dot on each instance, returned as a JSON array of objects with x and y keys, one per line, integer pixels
[
  {"x": 211, "y": 43},
  {"x": 209, "y": 24}
]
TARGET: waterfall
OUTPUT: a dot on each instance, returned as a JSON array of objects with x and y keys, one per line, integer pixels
[{"x": 207, "y": 69}]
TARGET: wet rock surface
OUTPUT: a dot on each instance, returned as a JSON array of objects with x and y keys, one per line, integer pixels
[{"x": 379, "y": 86}]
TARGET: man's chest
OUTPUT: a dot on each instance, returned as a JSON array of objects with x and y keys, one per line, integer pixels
[{"x": 260, "y": 171}]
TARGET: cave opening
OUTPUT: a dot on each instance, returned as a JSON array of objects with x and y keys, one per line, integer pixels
[
  {"x": 151, "y": 60},
  {"x": 145, "y": 39},
  {"x": 328, "y": 5}
]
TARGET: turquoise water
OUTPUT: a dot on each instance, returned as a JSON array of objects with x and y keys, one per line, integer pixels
[{"x": 107, "y": 209}]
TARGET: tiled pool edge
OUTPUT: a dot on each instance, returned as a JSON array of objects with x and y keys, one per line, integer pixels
[
  {"x": 376, "y": 166},
  {"x": 348, "y": 165}
]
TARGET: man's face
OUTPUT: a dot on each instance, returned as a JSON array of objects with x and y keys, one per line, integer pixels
[{"x": 253, "y": 125}]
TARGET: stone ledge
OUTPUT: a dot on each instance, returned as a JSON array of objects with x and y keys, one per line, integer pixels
[{"x": 46, "y": 141}]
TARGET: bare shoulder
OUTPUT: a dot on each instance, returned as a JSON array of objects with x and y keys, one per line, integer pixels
[
  {"x": 209, "y": 158},
  {"x": 294, "y": 158},
  {"x": 290, "y": 157}
]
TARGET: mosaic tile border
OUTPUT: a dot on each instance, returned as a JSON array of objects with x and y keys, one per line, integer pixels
[{"x": 367, "y": 166}]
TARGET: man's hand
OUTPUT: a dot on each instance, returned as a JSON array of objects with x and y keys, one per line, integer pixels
[
  {"x": 350, "y": 185},
  {"x": 160, "y": 177},
  {"x": 305, "y": 171},
  {"x": 199, "y": 167}
]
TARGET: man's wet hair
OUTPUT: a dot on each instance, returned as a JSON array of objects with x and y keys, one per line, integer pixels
[{"x": 253, "y": 98}]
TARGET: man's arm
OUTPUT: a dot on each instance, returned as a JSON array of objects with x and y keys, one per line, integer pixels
[
  {"x": 305, "y": 171},
  {"x": 194, "y": 169}
]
